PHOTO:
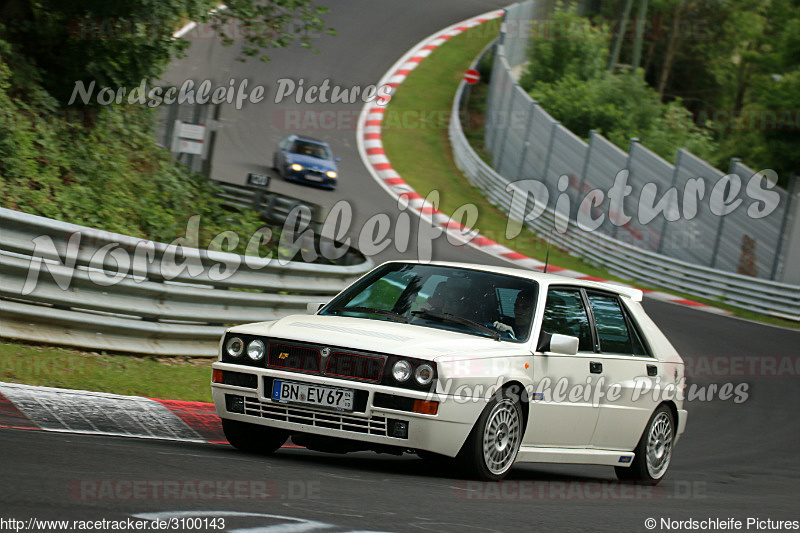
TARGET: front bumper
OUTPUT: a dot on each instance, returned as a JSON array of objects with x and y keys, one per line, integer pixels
[
  {"x": 304, "y": 176},
  {"x": 443, "y": 433}
]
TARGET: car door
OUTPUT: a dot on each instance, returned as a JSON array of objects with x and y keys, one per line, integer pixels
[
  {"x": 558, "y": 417},
  {"x": 626, "y": 366}
]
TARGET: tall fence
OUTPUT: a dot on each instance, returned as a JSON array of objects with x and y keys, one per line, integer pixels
[
  {"x": 609, "y": 248},
  {"x": 716, "y": 231},
  {"x": 67, "y": 284}
]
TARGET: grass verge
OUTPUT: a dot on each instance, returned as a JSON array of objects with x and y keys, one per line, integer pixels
[
  {"x": 415, "y": 138},
  {"x": 168, "y": 378}
]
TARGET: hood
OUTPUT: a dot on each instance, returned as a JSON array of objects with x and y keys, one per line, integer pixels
[
  {"x": 313, "y": 163},
  {"x": 383, "y": 336}
]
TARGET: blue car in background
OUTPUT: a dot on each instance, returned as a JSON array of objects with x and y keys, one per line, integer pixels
[{"x": 306, "y": 160}]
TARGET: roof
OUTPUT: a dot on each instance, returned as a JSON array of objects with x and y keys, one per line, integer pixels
[
  {"x": 310, "y": 139},
  {"x": 544, "y": 279}
]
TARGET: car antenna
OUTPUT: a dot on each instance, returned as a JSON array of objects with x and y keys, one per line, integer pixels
[{"x": 547, "y": 255}]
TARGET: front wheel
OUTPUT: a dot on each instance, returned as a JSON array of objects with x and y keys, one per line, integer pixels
[
  {"x": 253, "y": 438},
  {"x": 654, "y": 451},
  {"x": 493, "y": 443}
]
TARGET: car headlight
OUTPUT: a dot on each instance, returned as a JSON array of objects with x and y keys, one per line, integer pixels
[
  {"x": 296, "y": 167},
  {"x": 424, "y": 374},
  {"x": 255, "y": 350},
  {"x": 331, "y": 174},
  {"x": 234, "y": 347},
  {"x": 401, "y": 371}
]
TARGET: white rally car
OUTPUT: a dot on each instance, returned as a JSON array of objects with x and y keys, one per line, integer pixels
[{"x": 486, "y": 365}]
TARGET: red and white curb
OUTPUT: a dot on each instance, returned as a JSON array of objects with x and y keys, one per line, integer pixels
[
  {"x": 370, "y": 146},
  {"x": 77, "y": 411}
]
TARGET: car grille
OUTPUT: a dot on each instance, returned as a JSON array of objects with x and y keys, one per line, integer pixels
[
  {"x": 294, "y": 358},
  {"x": 309, "y": 360},
  {"x": 375, "y": 425},
  {"x": 368, "y": 368}
]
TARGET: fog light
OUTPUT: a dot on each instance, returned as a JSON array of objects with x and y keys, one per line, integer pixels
[
  {"x": 234, "y": 403},
  {"x": 398, "y": 428}
]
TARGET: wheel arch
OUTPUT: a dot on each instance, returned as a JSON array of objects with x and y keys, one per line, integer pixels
[
  {"x": 524, "y": 400},
  {"x": 674, "y": 410}
]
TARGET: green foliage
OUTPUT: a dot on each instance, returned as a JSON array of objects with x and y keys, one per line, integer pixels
[
  {"x": 97, "y": 168},
  {"x": 622, "y": 106},
  {"x": 727, "y": 56},
  {"x": 118, "y": 44},
  {"x": 568, "y": 45},
  {"x": 273, "y": 24}
]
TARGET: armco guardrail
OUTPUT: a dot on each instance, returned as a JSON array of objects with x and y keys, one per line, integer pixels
[
  {"x": 67, "y": 284},
  {"x": 621, "y": 259},
  {"x": 274, "y": 207}
]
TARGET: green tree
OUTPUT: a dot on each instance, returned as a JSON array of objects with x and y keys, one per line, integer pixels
[{"x": 117, "y": 44}]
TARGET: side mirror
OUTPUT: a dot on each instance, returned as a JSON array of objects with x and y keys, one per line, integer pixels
[
  {"x": 557, "y": 343},
  {"x": 312, "y": 308}
]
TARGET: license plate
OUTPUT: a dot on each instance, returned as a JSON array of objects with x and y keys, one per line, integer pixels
[
  {"x": 313, "y": 177},
  {"x": 317, "y": 395}
]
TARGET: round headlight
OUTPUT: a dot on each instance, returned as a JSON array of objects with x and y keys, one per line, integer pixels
[
  {"x": 331, "y": 174},
  {"x": 255, "y": 350},
  {"x": 424, "y": 374},
  {"x": 401, "y": 371},
  {"x": 235, "y": 347},
  {"x": 296, "y": 167}
]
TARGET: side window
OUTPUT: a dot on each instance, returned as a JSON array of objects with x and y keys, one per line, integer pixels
[
  {"x": 564, "y": 313},
  {"x": 613, "y": 327},
  {"x": 506, "y": 298}
]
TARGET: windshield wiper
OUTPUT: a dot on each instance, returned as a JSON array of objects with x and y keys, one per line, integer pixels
[
  {"x": 374, "y": 311},
  {"x": 447, "y": 317}
]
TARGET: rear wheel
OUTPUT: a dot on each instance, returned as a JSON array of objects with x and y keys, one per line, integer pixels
[
  {"x": 654, "y": 451},
  {"x": 492, "y": 446},
  {"x": 252, "y": 438}
]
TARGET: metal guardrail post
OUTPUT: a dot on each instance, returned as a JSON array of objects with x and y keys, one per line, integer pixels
[
  {"x": 491, "y": 142},
  {"x": 585, "y": 169},
  {"x": 790, "y": 198},
  {"x": 526, "y": 145},
  {"x": 547, "y": 156},
  {"x": 675, "y": 172},
  {"x": 508, "y": 126},
  {"x": 633, "y": 142},
  {"x": 718, "y": 238}
]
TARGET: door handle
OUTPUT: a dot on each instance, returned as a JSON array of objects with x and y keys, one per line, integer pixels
[
  {"x": 652, "y": 370},
  {"x": 595, "y": 367}
]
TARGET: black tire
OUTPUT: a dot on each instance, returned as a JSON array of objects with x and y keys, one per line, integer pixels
[
  {"x": 654, "y": 451},
  {"x": 252, "y": 438},
  {"x": 491, "y": 447}
]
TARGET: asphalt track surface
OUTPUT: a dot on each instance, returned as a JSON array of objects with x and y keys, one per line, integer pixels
[{"x": 734, "y": 461}]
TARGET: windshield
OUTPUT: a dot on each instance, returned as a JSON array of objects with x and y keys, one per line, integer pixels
[
  {"x": 456, "y": 299},
  {"x": 311, "y": 149}
]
